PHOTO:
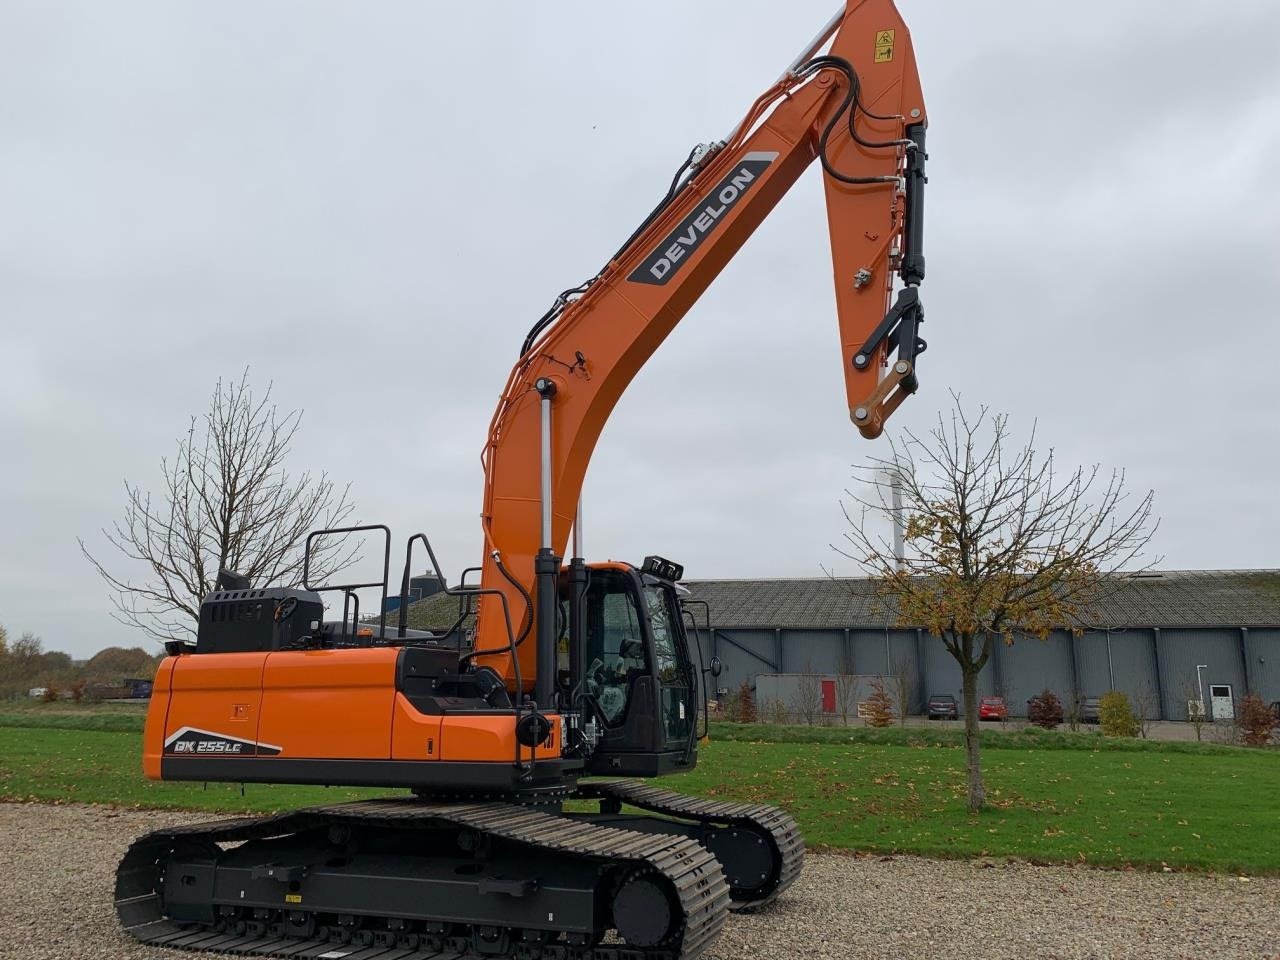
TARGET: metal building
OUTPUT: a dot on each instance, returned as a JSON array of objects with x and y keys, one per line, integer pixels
[{"x": 1165, "y": 638}]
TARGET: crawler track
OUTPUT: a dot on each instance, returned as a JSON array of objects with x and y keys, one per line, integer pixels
[
  {"x": 167, "y": 864},
  {"x": 776, "y": 827}
]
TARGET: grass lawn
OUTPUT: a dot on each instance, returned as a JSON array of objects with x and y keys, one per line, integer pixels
[{"x": 1053, "y": 797}]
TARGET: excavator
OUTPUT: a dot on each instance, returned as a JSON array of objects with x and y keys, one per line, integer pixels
[{"x": 524, "y": 826}]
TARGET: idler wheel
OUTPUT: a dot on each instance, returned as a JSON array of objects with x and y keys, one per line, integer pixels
[{"x": 642, "y": 911}]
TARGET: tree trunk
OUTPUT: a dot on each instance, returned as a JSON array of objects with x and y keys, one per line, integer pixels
[{"x": 972, "y": 747}]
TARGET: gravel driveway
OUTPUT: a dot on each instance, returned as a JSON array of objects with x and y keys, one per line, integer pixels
[{"x": 55, "y": 902}]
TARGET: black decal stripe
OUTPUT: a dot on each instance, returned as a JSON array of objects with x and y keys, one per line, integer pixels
[
  {"x": 191, "y": 741},
  {"x": 665, "y": 261}
]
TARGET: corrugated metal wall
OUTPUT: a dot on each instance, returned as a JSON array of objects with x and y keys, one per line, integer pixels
[
  {"x": 1182, "y": 650},
  {"x": 1032, "y": 665},
  {"x": 821, "y": 651},
  {"x": 1121, "y": 660},
  {"x": 1103, "y": 660},
  {"x": 1263, "y": 650}
]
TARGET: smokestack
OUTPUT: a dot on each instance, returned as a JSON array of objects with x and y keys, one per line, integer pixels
[{"x": 892, "y": 478}]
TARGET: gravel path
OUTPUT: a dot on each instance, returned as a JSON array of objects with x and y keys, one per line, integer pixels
[{"x": 55, "y": 902}]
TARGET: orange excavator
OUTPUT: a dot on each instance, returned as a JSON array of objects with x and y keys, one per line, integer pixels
[{"x": 529, "y": 832}]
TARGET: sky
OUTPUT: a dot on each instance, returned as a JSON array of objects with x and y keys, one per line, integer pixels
[{"x": 369, "y": 204}]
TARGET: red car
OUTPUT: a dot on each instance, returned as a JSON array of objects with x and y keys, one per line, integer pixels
[{"x": 993, "y": 708}]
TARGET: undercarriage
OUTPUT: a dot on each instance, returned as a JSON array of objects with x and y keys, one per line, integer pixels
[{"x": 405, "y": 879}]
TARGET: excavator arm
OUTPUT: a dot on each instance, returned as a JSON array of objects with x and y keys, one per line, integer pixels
[{"x": 859, "y": 111}]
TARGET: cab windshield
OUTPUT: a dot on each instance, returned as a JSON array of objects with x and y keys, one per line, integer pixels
[{"x": 614, "y": 645}]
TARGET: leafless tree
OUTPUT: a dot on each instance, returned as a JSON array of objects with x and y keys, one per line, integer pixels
[
  {"x": 228, "y": 501},
  {"x": 1196, "y": 712},
  {"x": 774, "y": 711},
  {"x": 904, "y": 678},
  {"x": 846, "y": 691},
  {"x": 998, "y": 542},
  {"x": 1146, "y": 706},
  {"x": 806, "y": 701},
  {"x": 1072, "y": 712}
]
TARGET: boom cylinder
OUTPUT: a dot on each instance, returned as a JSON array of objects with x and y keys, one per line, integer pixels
[
  {"x": 546, "y": 568},
  {"x": 577, "y": 627}
]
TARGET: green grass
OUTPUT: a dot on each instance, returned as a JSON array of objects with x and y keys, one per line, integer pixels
[
  {"x": 1216, "y": 810},
  {"x": 53, "y": 764},
  {"x": 66, "y": 720},
  {"x": 1132, "y": 802},
  {"x": 992, "y": 739},
  {"x": 68, "y": 715}
]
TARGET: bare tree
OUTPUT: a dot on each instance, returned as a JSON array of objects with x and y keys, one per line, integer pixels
[
  {"x": 846, "y": 691},
  {"x": 1195, "y": 704},
  {"x": 228, "y": 502},
  {"x": 806, "y": 701},
  {"x": 904, "y": 678},
  {"x": 1146, "y": 705},
  {"x": 998, "y": 543}
]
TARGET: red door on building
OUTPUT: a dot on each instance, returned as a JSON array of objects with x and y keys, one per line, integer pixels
[{"x": 828, "y": 696}]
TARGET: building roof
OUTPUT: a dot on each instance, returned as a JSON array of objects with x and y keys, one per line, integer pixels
[
  {"x": 1171, "y": 598},
  {"x": 1167, "y": 598}
]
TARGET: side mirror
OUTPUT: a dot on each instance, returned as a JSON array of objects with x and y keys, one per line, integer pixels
[{"x": 715, "y": 667}]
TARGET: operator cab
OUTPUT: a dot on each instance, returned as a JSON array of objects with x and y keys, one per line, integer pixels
[{"x": 638, "y": 680}]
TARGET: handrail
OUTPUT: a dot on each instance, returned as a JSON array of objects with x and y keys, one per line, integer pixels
[{"x": 348, "y": 587}]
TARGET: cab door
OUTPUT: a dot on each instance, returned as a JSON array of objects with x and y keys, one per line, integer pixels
[{"x": 678, "y": 696}]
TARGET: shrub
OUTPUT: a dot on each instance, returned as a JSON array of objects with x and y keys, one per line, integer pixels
[
  {"x": 77, "y": 690},
  {"x": 775, "y": 712},
  {"x": 1045, "y": 709},
  {"x": 50, "y": 692},
  {"x": 746, "y": 706},
  {"x": 879, "y": 705},
  {"x": 1256, "y": 720},
  {"x": 1115, "y": 715}
]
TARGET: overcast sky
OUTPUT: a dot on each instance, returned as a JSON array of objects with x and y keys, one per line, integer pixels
[{"x": 370, "y": 203}]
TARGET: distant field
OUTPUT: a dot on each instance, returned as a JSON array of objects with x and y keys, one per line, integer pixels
[
  {"x": 121, "y": 717},
  {"x": 1188, "y": 806}
]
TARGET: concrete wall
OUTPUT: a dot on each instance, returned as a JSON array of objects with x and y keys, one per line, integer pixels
[
  {"x": 1153, "y": 666},
  {"x": 801, "y": 696}
]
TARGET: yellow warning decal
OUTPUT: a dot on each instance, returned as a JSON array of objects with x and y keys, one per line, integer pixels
[
  {"x": 884, "y": 46},
  {"x": 293, "y": 898}
]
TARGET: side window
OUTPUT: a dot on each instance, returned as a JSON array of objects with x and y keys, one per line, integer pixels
[{"x": 664, "y": 639}]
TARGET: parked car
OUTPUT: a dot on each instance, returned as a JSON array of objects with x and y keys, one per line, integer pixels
[
  {"x": 993, "y": 708},
  {"x": 943, "y": 706},
  {"x": 1089, "y": 711}
]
